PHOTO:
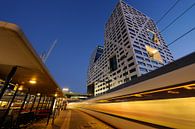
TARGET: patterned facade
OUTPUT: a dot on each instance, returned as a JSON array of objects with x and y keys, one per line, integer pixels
[{"x": 133, "y": 46}]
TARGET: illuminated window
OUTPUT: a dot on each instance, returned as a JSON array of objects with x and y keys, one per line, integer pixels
[
  {"x": 154, "y": 54},
  {"x": 153, "y": 37}
]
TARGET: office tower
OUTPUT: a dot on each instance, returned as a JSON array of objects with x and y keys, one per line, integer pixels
[{"x": 133, "y": 46}]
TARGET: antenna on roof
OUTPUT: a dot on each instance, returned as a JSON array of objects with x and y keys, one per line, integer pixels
[{"x": 44, "y": 56}]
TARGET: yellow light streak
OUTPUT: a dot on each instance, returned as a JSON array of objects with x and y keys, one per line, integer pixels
[{"x": 189, "y": 86}]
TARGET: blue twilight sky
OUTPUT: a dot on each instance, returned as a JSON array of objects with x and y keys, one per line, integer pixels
[{"x": 79, "y": 27}]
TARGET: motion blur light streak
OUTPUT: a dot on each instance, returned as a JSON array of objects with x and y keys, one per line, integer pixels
[
  {"x": 175, "y": 113},
  {"x": 168, "y": 90}
]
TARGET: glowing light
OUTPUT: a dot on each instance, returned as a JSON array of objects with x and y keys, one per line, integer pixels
[
  {"x": 9, "y": 93},
  {"x": 65, "y": 89},
  {"x": 173, "y": 92},
  {"x": 56, "y": 95},
  {"x": 20, "y": 88},
  {"x": 33, "y": 81},
  {"x": 16, "y": 86},
  {"x": 154, "y": 51},
  {"x": 188, "y": 88},
  {"x": 137, "y": 95},
  {"x": 38, "y": 94}
]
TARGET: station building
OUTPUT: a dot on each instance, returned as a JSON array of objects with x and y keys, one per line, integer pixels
[
  {"x": 133, "y": 46},
  {"x": 28, "y": 92}
]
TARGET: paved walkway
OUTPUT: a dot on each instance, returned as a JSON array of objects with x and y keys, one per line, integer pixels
[
  {"x": 81, "y": 120},
  {"x": 57, "y": 124},
  {"x": 70, "y": 119}
]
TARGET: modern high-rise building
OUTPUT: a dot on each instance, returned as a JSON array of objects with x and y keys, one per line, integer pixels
[{"x": 133, "y": 46}]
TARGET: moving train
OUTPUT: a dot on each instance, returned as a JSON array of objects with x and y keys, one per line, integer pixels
[{"x": 163, "y": 98}]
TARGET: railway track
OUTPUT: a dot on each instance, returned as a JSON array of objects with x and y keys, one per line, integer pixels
[{"x": 118, "y": 122}]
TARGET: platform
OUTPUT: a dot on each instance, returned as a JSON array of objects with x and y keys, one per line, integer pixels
[{"x": 71, "y": 119}]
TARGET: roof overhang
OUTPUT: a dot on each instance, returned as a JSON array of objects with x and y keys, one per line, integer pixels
[{"x": 15, "y": 50}]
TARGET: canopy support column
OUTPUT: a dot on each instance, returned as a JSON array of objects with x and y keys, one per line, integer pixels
[
  {"x": 43, "y": 102},
  {"x": 50, "y": 111},
  {"x": 22, "y": 106},
  {"x": 7, "y": 110},
  {"x": 28, "y": 101},
  {"x": 7, "y": 80},
  {"x": 38, "y": 104},
  {"x": 49, "y": 99},
  {"x": 33, "y": 103}
]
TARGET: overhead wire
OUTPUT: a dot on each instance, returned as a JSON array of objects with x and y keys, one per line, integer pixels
[
  {"x": 186, "y": 33},
  {"x": 165, "y": 14},
  {"x": 185, "y": 11}
]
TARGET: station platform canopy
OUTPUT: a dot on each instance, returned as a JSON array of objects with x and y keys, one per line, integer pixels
[{"x": 15, "y": 50}]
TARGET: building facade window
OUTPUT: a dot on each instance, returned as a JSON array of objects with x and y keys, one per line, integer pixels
[
  {"x": 130, "y": 46},
  {"x": 113, "y": 63}
]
